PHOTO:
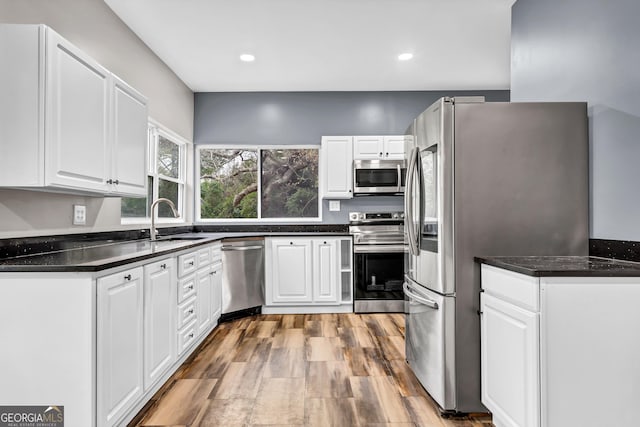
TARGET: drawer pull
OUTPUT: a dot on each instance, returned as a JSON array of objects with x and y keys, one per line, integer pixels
[
  {"x": 191, "y": 262},
  {"x": 213, "y": 272},
  {"x": 127, "y": 277},
  {"x": 190, "y": 286},
  {"x": 163, "y": 266},
  {"x": 190, "y": 335},
  {"x": 190, "y": 311}
]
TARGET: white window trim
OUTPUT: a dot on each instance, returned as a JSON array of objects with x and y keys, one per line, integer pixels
[
  {"x": 259, "y": 219},
  {"x": 155, "y": 129}
]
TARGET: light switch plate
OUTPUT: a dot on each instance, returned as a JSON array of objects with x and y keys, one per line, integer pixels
[
  {"x": 334, "y": 205},
  {"x": 79, "y": 214}
]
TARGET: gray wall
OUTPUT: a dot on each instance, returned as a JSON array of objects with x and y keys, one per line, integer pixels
[
  {"x": 93, "y": 27},
  {"x": 588, "y": 50},
  {"x": 299, "y": 118}
]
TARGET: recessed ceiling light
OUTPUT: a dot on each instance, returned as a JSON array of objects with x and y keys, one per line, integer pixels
[
  {"x": 405, "y": 56},
  {"x": 246, "y": 57}
]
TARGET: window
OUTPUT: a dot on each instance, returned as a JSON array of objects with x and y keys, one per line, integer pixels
[
  {"x": 258, "y": 183},
  {"x": 166, "y": 177}
]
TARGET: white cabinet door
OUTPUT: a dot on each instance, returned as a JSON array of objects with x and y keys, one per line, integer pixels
[
  {"x": 76, "y": 118},
  {"x": 159, "y": 319},
  {"x": 368, "y": 147},
  {"x": 128, "y": 170},
  {"x": 204, "y": 286},
  {"x": 337, "y": 167},
  {"x": 394, "y": 147},
  {"x": 119, "y": 344},
  {"x": 326, "y": 274},
  {"x": 216, "y": 292},
  {"x": 510, "y": 363},
  {"x": 291, "y": 271}
]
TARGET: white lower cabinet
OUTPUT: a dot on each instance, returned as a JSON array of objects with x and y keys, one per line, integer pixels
[
  {"x": 119, "y": 344},
  {"x": 159, "y": 319},
  {"x": 204, "y": 281},
  {"x": 216, "y": 292},
  {"x": 303, "y": 274},
  {"x": 326, "y": 273},
  {"x": 510, "y": 361},
  {"x": 290, "y": 266},
  {"x": 559, "y": 351}
]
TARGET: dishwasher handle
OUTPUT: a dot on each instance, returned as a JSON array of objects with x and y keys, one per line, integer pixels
[{"x": 241, "y": 248}]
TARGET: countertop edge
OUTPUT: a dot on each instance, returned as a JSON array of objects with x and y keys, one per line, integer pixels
[
  {"x": 188, "y": 244},
  {"x": 550, "y": 272}
]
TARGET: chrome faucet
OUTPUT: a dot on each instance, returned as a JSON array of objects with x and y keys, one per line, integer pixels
[{"x": 153, "y": 232}]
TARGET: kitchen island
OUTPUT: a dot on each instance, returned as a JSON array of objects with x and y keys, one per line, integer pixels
[{"x": 559, "y": 339}]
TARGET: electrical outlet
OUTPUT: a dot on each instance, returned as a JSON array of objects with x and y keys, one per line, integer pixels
[
  {"x": 334, "y": 205},
  {"x": 79, "y": 214}
]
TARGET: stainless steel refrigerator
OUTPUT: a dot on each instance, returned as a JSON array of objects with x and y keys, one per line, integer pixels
[{"x": 483, "y": 178}]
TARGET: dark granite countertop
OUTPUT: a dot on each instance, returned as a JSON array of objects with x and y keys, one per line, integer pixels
[
  {"x": 577, "y": 266},
  {"x": 98, "y": 256}
]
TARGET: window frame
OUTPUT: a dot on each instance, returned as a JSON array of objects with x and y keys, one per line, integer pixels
[
  {"x": 154, "y": 131},
  {"x": 259, "y": 219}
]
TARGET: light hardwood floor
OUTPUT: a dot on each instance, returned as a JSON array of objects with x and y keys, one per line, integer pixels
[{"x": 299, "y": 370}]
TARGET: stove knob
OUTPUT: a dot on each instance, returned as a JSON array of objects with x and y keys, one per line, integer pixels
[
  {"x": 402, "y": 215},
  {"x": 396, "y": 216}
]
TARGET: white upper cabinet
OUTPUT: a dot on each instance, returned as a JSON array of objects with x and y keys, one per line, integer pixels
[
  {"x": 337, "y": 163},
  {"x": 66, "y": 123},
  {"x": 378, "y": 147},
  {"x": 129, "y": 175},
  {"x": 77, "y": 91}
]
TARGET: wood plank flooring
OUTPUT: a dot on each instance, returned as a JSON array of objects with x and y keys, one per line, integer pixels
[{"x": 299, "y": 370}]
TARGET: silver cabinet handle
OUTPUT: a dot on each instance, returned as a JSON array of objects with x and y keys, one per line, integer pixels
[
  {"x": 422, "y": 300},
  {"x": 242, "y": 248}
]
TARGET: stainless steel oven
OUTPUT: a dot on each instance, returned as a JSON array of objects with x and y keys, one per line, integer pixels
[
  {"x": 378, "y": 258},
  {"x": 379, "y": 176}
]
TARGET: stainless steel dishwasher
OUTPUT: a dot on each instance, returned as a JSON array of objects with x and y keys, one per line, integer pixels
[{"x": 243, "y": 277}]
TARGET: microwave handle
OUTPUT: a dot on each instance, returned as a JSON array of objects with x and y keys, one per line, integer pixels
[{"x": 399, "y": 178}]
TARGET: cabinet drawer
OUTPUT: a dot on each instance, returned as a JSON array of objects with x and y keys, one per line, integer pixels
[
  {"x": 187, "y": 336},
  {"x": 514, "y": 287},
  {"x": 204, "y": 257},
  {"x": 187, "y": 263},
  {"x": 186, "y": 287},
  {"x": 186, "y": 312}
]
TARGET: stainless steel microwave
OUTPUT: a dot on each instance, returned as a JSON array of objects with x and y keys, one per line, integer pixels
[{"x": 379, "y": 176}]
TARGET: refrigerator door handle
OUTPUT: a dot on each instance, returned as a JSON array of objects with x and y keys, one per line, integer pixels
[
  {"x": 422, "y": 300},
  {"x": 409, "y": 208}
]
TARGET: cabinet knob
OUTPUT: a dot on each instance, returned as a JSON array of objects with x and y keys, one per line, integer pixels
[
  {"x": 380, "y": 154},
  {"x": 291, "y": 243},
  {"x": 191, "y": 335},
  {"x": 387, "y": 155},
  {"x": 109, "y": 181},
  {"x": 116, "y": 182},
  {"x": 349, "y": 191},
  {"x": 190, "y": 262},
  {"x": 190, "y": 311},
  {"x": 127, "y": 277},
  {"x": 190, "y": 286},
  {"x": 325, "y": 243},
  {"x": 163, "y": 266}
]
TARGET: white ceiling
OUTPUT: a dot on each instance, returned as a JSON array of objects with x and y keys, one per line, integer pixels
[{"x": 327, "y": 45}]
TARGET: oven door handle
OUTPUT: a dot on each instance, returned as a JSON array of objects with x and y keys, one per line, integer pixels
[
  {"x": 422, "y": 300},
  {"x": 399, "y": 178},
  {"x": 378, "y": 249}
]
